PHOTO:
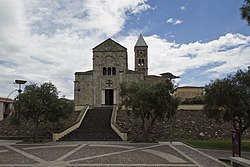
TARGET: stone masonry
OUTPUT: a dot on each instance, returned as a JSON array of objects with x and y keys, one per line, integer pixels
[{"x": 100, "y": 86}]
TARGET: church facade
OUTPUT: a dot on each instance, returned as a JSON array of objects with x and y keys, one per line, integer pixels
[{"x": 100, "y": 86}]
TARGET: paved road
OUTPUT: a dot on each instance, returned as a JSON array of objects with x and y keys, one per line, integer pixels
[
  {"x": 70, "y": 154},
  {"x": 223, "y": 154}
]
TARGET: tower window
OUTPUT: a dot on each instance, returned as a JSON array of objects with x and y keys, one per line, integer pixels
[
  {"x": 109, "y": 71},
  {"x": 142, "y": 62},
  {"x": 113, "y": 71},
  {"x": 104, "y": 71},
  {"x": 139, "y": 63}
]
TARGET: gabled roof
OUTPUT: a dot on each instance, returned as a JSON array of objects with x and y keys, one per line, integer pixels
[
  {"x": 109, "y": 45},
  {"x": 141, "y": 41}
]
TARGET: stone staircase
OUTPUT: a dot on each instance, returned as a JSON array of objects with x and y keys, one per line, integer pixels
[{"x": 95, "y": 127}]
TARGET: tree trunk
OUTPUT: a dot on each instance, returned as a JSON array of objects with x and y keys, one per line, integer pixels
[
  {"x": 144, "y": 136},
  {"x": 151, "y": 125},
  {"x": 36, "y": 124},
  {"x": 142, "y": 125},
  {"x": 240, "y": 128}
]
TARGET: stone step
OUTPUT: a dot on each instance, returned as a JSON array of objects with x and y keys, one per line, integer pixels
[{"x": 95, "y": 127}]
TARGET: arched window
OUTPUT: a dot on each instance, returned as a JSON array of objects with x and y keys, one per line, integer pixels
[
  {"x": 113, "y": 71},
  {"x": 142, "y": 62},
  {"x": 109, "y": 71},
  {"x": 139, "y": 63},
  {"x": 104, "y": 71}
]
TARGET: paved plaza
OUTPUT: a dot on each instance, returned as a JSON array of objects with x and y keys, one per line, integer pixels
[{"x": 70, "y": 154}]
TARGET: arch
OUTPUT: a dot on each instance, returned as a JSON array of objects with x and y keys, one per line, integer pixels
[
  {"x": 109, "y": 61},
  {"x": 142, "y": 62},
  {"x": 113, "y": 71},
  {"x": 109, "y": 70},
  {"x": 139, "y": 63},
  {"x": 104, "y": 71}
]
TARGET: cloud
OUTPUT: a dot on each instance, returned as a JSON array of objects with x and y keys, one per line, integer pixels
[
  {"x": 174, "y": 21},
  {"x": 183, "y": 8},
  {"x": 196, "y": 63},
  {"x": 89, "y": 17},
  {"x": 45, "y": 41},
  {"x": 212, "y": 59}
]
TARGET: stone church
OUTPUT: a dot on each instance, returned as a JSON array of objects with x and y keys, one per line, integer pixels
[{"x": 100, "y": 86}]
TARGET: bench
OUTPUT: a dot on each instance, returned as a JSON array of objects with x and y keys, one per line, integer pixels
[{"x": 239, "y": 162}]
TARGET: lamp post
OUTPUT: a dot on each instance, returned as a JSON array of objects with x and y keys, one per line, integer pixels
[
  {"x": 171, "y": 126},
  {"x": 6, "y": 106},
  {"x": 170, "y": 77},
  {"x": 20, "y": 82},
  {"x": 10, "y": 94}
]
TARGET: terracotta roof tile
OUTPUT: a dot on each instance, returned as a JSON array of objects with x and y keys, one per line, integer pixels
[{"x": 5, "y": 99}]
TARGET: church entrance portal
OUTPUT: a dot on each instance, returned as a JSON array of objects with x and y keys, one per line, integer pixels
[{"x": 109, "y": 96}]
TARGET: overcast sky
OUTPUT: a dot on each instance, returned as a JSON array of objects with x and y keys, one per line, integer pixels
[{"x": 49, "y": 40}]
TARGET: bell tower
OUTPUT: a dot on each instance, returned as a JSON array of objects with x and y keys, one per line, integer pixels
[{"x": 141, "y": 55}]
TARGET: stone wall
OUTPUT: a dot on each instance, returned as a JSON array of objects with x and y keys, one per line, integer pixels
[
  {"x": 83, "y": 89},
  {"x": 187, "y": 92},
  {"x": 186, "y": 125}
]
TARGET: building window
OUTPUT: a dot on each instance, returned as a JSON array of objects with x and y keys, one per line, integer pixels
[
  {"x": 109, "y": 71},
  {"x": 142, "y": 62},
  {"x": 104, "y": 71},
  {"x": 139, "y": 63},
  {"x": 113, "y": 71}
]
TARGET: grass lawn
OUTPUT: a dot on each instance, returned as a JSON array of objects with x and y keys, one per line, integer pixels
[{"x": 218, "y": 144}]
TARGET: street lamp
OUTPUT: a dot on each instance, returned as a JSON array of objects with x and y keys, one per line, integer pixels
[
  {"x": 169, "y": 77},
  {"x": 10, "y": 94},
  {"x": 20, "y": 82}
]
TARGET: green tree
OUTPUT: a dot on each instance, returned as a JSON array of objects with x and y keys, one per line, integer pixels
[
  {"x": 245, "y": 11},
  {"x": 149, "y": 103},
  {"x": 42, "y": 103},
  {"x": 194, "y": 100},
  {"x": 228, "y": 100}
]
